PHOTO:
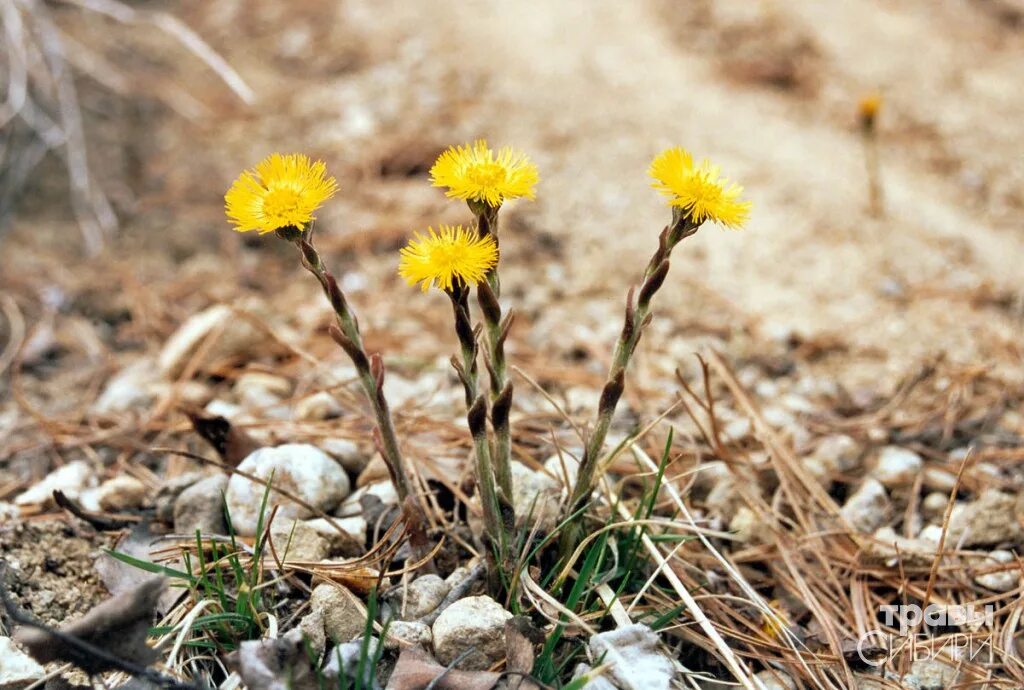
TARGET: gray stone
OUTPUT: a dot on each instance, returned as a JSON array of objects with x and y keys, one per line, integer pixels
[
  {"x": 168, "y": 493},
  {"x": 1002, "y": 581},
  {"x": 473, "y": 623},
  {"x": 298, "y": 468},
  {"x": 317, "y": 407},
  {"x": 256, "y": 389},
  {"x": 536, "y": 496},
  {"x": 407, "y": 634},
  {"x": 839, "y": 452},
  {"x": 312, "y": 627},
  {"x": 931, "y": 674},
  {"x": 421, "y": 597},
  {"x": 347, "y": 452},
  {"x": 123, "y": 492},
  {"x": 990, "y": 519},
  {"x": 343, "y": 661},
  {"x": 294, "y": 540},
  {"x": 868, "y": 507},
  {"x": 343, "y": 614},
  {"x": 201, "y": 507},
  {"x": 17, "y": 669},
  {"x": 71, "y": 478},
  {"x": 933, "y": 507},
  {"x": 896, "y": 466},
  {"x": 132, "y": 387},
  {"x": 637, "y": 661}
]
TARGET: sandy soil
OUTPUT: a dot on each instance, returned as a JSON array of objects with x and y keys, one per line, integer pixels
[{"x": 593, "y": 89}]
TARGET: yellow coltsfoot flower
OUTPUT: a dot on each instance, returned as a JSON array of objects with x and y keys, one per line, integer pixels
[
  {"x": 455, "y": 256},
  {"x": 282, "y": 192},
  {"x": 698, "y": 189},
  {"x": 475, "y": 173}
]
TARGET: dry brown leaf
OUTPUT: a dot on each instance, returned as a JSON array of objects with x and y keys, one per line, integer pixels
[{"x": 416, "y": 670}]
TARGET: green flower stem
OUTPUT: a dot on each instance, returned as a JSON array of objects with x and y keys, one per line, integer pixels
[
  {"x": 370, "y": 369},
  {"x": 488, "y": 294},
  {"x": 636, "y": 320},
  {"x": 476, "y": 406}
]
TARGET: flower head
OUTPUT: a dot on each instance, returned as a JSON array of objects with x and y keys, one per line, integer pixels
[
  {"x": 698, "y": 189},
  {"x": 475, "y": 173},
  {"x": 867, "y": 110},
  {"x": 282, "y": 191},
  {"x": 454, "y": 256}
]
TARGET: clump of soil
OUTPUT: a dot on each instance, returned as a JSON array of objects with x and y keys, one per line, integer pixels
[{"x": 50, "y": 571}]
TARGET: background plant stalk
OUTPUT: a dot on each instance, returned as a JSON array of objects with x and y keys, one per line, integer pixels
[
  {"x": 636, "y": 319},
  {"x": 370, "y": 369}
]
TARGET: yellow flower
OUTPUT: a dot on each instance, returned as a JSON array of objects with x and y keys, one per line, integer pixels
[
  {"x": 868, "y": 108},
  {"x": 698, "y": 190},
  {"x": 475, "y": 173},
  {"x": 283, "y": 191},
  {"x": 455, "y": 256}
]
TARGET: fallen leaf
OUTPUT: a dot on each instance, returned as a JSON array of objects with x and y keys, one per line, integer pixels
[{"x": 416, "y": 670}]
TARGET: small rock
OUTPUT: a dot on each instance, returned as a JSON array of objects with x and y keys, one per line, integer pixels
[
  {"x": 724, "y": 499},
  {"x": 896, "y": 466},
  {"x": 312, "y": 627},
  {"x": 931, "y": 533},
  {"x": 295, "y": 540},
  {"x": 637, "y": 661},
  {"x": 237, "y": 337},
  {"x": 775, "y": 680},
  {"x": 317, "y": 407},
  {"x": 988, "y": 520},
  {"x": 130, "y": 388},
  {"x": 536, "y": 496},
  {"x": 17, "y": 669},
  {"x": 384, "y": 491},
  {"x": 343, "y": 614},
  {"x": 748, "y": 527},
  {"x": 868, "y": 507},
  {"x": 256, "y": 389},
  {"x": 344, "y": 661},
  {"x": 347, "y": 452},
  {"x": 121, "y": 493},
  {"x": 169, "y": 491},
  {"x": 938, "y": 479},
  {"x": 228, "y": 410},
  {"x": 563, "y": 467},
  {"x": 476, "y": 623},
  {"x": 1002, "y": 581},
  {"x": 348, "y": 543},
  {"x": 70, "y": 478},
  {"x": 838, "y": 452},
  {"x": 201, "y": 507},
  {"x": 408, "y": 633},
  {"x": 931, "y": 674},
  {"x": 737, "y": 430},
  {"x": 933, "y": 507},
  {"x": 301, "y": 469},
  {"x": 422, "y": 596},
  {"x": 892, "y": 549}
]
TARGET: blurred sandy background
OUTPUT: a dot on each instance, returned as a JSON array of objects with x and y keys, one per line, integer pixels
[{"x": 591, "y": 90}]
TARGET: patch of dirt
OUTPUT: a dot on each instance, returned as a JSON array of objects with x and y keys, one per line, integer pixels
[{"x": 50, "y": 568}]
